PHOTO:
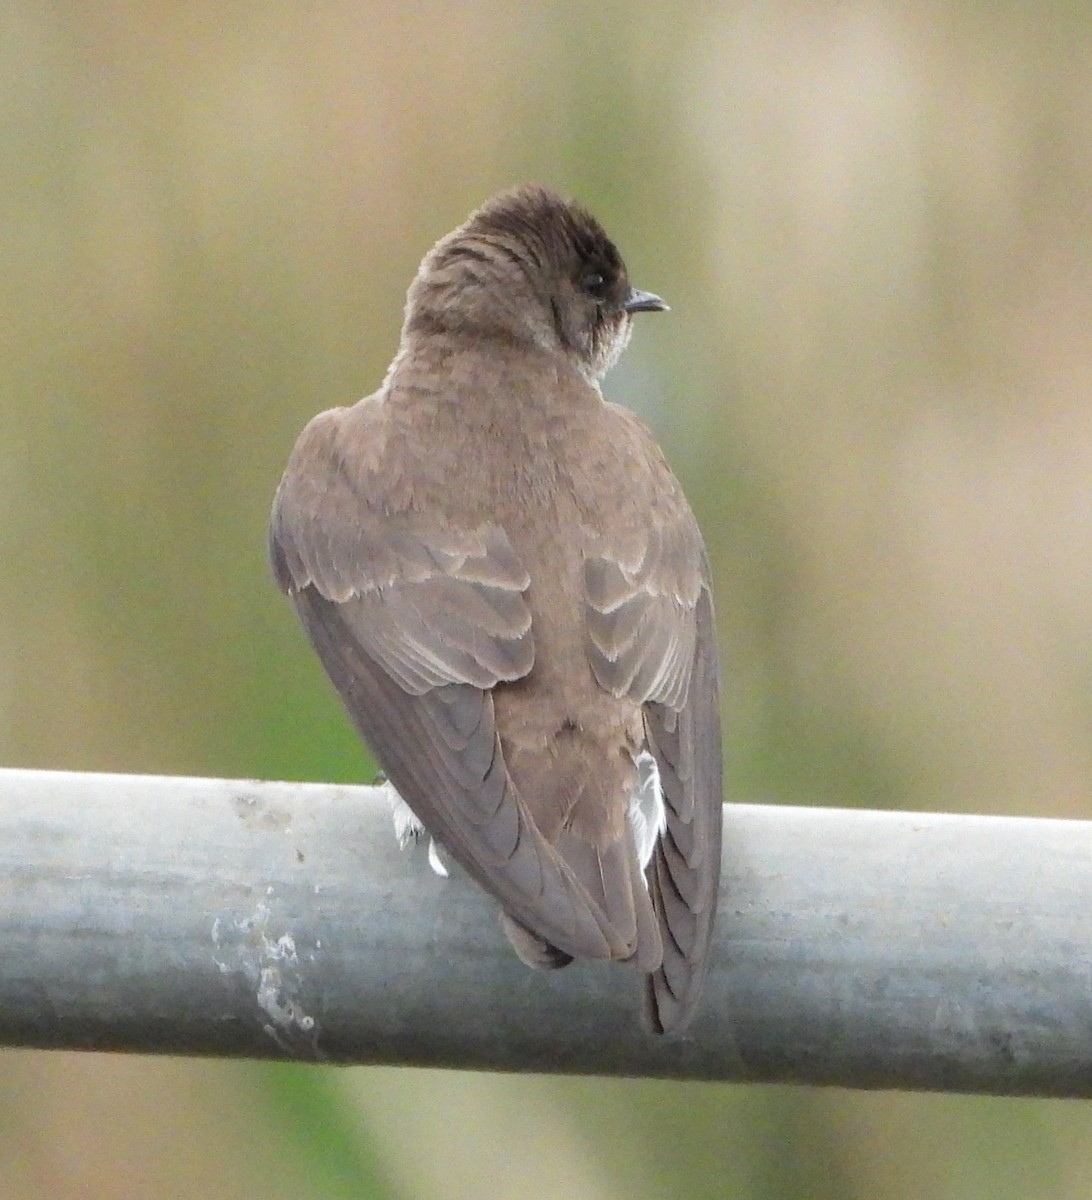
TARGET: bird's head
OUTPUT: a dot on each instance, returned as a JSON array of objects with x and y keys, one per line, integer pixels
[{"x": 529, "y": 267}]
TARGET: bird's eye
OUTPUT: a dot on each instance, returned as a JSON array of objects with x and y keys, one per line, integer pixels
[{"x": 593, "y": 282}]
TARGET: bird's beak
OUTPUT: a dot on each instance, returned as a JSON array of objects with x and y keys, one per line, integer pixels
[{"x": 644, "y": 302}]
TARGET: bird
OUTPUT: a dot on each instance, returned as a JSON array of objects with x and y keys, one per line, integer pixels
[{"x": 509, "y": 591}]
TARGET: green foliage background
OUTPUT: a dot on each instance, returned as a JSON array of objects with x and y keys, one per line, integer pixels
[{"x": 874, "y": 224}]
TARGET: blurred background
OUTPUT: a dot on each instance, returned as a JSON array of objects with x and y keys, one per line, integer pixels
[{"x": 873, "y": 222}]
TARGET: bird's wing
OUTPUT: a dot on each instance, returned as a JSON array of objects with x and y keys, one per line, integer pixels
[
  {"x": 414, "y": 622},
  {"x": 651, "y": 638}
]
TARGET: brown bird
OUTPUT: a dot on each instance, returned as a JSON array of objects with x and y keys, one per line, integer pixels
[{"x": 509, "y": 591}]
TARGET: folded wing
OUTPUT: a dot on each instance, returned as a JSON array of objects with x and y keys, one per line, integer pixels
[
  {"x": 651, "y": 638},
  {"x": 414, "y": 622}
]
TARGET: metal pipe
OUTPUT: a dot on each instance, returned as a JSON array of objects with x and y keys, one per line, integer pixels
[{"x": 237, "y": 918}]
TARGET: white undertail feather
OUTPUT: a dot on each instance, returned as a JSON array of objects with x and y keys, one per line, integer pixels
[
  {"x": 436, "y": 859},
  {"x": 646, "y": 813},
  {"x": 407, "y": 828}
]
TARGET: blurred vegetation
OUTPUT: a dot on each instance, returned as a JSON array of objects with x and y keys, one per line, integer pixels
[{"x": 874, "y": 224}]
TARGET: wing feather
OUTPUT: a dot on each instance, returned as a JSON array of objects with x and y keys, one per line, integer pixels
[
  {"x": 685, "y": 869},
  {"x": 650, "y": 637}
]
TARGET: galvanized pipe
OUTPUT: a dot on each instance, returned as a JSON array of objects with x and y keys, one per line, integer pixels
[{"x": 236, "y": 918}]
